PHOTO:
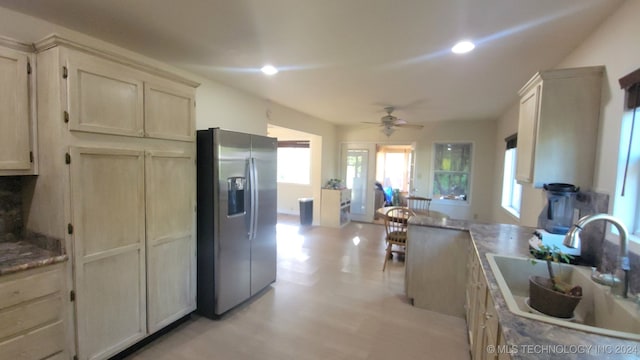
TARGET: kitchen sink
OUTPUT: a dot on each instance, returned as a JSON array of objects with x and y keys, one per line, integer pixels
[{"x": 598, "y": 312}]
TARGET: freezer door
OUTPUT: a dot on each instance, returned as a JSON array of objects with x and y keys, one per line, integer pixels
[
  {"x": 232, "y": 244},
  {"x": 263, "y": 243}
]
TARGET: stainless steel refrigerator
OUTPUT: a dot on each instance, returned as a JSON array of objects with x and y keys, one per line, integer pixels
[{"x": 236, "y": 218}]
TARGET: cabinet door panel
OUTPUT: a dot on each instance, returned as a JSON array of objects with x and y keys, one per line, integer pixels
[
  {"x": 14, "y": 111},
  {"x": 104, "y": 97},
  {"x": 170, "y": 204},
  {"x": 169, "y": 111},
  {"x": 527, "y": 131},
  {"x": 109, "y": 255}
]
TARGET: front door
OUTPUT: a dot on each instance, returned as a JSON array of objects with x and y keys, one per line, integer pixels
[{"x": 358, "y": 178}]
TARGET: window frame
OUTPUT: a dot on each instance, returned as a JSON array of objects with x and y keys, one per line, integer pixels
[
  {"x": 293, "y": 144},
  {"x": 627, "y": 209},
  {"x": 510, "y": 184},
  {"x": 437, "y": 199}
]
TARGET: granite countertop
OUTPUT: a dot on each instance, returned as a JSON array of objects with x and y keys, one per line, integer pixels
[
  {"x": 444, "y": 223},
  {"x": 528, "y": 338},
  {"x": 23, "y": 255}
]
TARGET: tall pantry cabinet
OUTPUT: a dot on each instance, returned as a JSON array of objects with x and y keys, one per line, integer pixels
[{"x": 117, "y": 182}]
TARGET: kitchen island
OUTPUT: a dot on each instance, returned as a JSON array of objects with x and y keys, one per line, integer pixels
[{"x": 506, "y": 335}]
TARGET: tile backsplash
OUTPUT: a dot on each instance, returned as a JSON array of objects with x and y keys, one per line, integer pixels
[{"x": 11, "y": 222}]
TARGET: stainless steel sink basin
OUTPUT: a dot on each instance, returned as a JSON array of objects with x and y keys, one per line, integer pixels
[{"x": 598, "y": 312}]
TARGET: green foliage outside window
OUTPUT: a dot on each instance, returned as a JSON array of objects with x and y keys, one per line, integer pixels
[{"x": 452, "y": 168}]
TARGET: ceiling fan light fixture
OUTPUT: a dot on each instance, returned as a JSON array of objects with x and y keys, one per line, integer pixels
[
  {"x": 463, "y": 47},
  {"x": 269, "y": 70},
  {"x": 387, "y": 130}
]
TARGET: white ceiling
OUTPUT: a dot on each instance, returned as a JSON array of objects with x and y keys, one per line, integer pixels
[{"x": 345, "y": 60}]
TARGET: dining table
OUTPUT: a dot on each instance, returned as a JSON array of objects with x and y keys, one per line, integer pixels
[{"x": 382, "y": 212}]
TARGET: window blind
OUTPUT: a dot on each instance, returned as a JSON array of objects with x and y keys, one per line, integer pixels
[
  {"x": 293, "y": 144},
  {"x": 512, "y": 141}
]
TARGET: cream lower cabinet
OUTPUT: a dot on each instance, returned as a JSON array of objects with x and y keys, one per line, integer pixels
[
  {"x": 32, "y": 313},
  {"x": 117, "y": 182},
  {"x": 108, "y": 220},
  {"x": 170, "y": 219},
  {"x": 133, "y": 220},
  {"x": 482, "y": 320},
  {"x": 16, "y": 143}
]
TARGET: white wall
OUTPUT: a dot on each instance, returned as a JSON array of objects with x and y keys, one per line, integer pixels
[
  {"x": 481, "y": 133},
  {"x": 615, "y": 45}
]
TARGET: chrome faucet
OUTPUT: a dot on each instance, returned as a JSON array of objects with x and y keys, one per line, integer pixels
[{"x": 572, "y": 240}]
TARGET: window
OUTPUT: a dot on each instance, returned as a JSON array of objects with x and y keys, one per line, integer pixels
[
  {"x": 393, "y": 166},
  {"x": 511, "y": 190},
  {"x": 452, "y": 171},
  {"x": 294, "y": 162},
  {"x": 627, "y": 196}
]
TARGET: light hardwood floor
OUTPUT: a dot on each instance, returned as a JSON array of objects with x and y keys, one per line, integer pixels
[{"x": 330, "y": 301}]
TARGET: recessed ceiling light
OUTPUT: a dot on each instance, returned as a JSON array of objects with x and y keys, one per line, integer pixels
[
  {"x": 269, "y": 70},
  {"x": 463, "y": 47}
]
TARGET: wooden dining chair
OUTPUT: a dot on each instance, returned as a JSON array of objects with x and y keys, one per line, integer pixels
[
  {"x": 395, "y": 225},
  {"x": 419, "y": 204}
]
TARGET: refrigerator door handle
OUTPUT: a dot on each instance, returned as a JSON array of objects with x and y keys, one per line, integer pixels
[{"x": 253, "y": 191}]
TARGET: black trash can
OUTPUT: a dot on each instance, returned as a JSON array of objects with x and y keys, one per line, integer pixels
[{"x": 306, "y": 211}]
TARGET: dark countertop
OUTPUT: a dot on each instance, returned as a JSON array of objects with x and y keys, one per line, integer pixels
[
  {"x": 528, "y": 338},
  {"x": 23, "y": 255}
]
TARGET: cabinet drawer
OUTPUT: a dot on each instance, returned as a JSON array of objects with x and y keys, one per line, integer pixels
[
  {"x": 35, "y": 345},
  {"x": 20, "y": 318},
  {"x": 29, "y": 285}
]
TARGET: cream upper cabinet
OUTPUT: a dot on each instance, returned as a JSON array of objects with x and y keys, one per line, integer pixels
[
  {"x": 103, "y": 96},
  {"x": 169, "y": 111},
  {"x": 170, "y": 223},
  {"x": 108, "y": 97},
  {"x": 15, "y": 115},
  {"x": 558, "y": 127},
  {"x": 527, "y": 124}
]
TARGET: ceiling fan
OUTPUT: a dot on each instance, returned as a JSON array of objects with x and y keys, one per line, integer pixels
[{"x": 390, "y": 122}]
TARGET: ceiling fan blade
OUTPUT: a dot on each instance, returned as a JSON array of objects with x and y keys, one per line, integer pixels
[
  {"x": 372, "y": 123},
  {"x": 412, "y": 126}
]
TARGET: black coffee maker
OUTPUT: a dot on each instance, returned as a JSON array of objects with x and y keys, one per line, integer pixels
[{"x": 560, "y": 207}]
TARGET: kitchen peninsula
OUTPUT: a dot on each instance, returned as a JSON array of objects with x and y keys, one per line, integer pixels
[{"x": 492, "y": 326}]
